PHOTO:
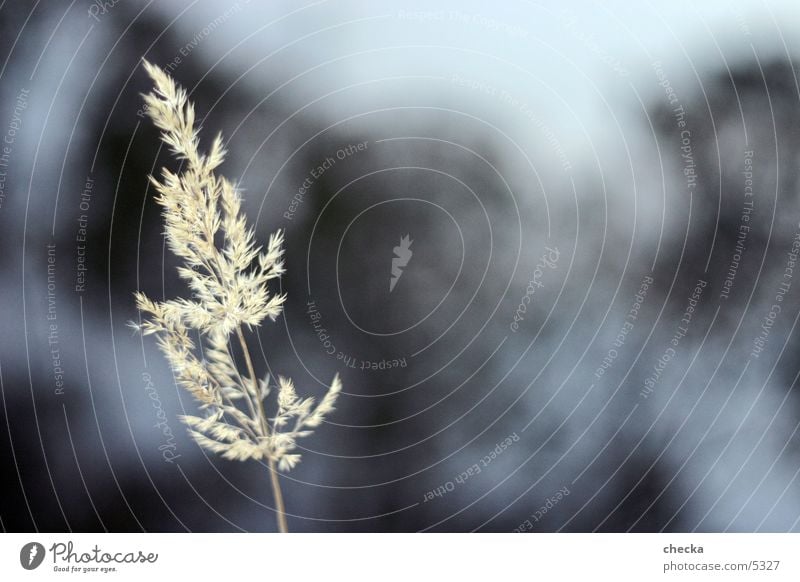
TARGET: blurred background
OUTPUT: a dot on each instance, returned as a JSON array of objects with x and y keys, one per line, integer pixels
[{"x": 550, "y": 247}]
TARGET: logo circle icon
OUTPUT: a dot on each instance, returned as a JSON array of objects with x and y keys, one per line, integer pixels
[{"x": 31, "y": 555}]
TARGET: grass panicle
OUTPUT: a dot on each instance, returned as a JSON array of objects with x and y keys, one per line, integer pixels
[{"x": 228, "y": 274}]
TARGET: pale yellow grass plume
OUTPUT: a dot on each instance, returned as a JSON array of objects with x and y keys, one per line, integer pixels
[{"x": 228, "y": 274}]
